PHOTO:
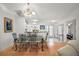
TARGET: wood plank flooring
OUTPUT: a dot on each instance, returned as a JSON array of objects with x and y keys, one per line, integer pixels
[{"x": 52, "y": 51}]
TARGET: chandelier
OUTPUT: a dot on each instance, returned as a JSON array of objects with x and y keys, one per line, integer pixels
[{"x": 28, "y": 11}]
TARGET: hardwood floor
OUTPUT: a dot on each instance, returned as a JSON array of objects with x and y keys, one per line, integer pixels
[{"x": 52, "y": 51}]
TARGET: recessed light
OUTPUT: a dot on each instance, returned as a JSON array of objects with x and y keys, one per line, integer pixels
[
  {"x": 53, "y": 21},
  {"x": 35, "y": 20},
  {"x": 69, "y": 24}
]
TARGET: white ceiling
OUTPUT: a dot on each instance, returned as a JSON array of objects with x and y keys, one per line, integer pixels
[{"x": 46, "y": 11}]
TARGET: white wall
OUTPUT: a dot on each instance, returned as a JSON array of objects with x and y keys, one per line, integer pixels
[
  {"x": 20, "y": 25},
  {"x": 6, "y": 39},
  {"x": 74, "y": 15}
]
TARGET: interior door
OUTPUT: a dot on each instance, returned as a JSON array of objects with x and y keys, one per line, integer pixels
[{"x": 61, "y": 32}]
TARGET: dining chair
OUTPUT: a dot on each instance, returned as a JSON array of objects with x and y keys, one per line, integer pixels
[
  {"x": 15, "y": 40},
  {"x": 24, "y": 44}
]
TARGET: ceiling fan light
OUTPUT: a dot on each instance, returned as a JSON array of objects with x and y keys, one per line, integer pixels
[
  {"x": 28, "y": 13},
  {"x": 33, "y": 13}
]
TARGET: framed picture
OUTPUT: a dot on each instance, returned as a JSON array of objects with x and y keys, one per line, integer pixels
[
  {"x": 42, "y": 27},
  {"x": 8, "y": 26}
]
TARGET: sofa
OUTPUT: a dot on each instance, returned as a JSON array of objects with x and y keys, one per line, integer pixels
[{"x": 70, "y": 49}]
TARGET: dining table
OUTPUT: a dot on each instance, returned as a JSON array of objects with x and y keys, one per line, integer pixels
[{"x": 31, "y": 40}]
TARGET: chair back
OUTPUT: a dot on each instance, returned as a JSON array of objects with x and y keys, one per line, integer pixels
[
  {"x": 22, "y": 37},
  {"x": 14, "y": 35}
]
